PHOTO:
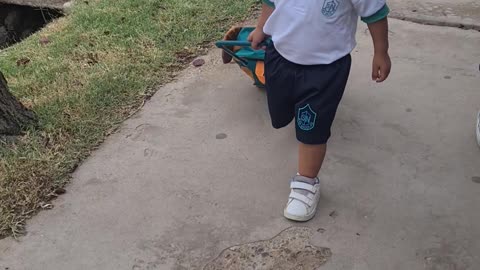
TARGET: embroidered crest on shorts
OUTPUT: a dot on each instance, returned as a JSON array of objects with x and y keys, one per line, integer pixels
[
  {"x": 330, "y": 7},
  {"x": 306, "y": 118}
]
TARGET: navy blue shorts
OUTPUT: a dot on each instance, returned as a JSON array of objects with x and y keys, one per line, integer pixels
[{"x": 310, "y": 94}]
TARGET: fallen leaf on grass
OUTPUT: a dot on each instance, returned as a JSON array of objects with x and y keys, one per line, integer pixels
[
  {"x": 23, "y": 61},
  {"x": 44, "y": 40}
]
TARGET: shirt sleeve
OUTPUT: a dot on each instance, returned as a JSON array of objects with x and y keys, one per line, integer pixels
[
  {"x": 269, "y": 3},
  {"x": 377, "y": 16},
  {"x": 367, "y": 8}
]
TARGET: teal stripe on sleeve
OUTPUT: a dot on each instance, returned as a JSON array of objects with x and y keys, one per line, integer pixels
[
  {"x": 269, "y": 3},
  {"x": 379, "y": 15}
]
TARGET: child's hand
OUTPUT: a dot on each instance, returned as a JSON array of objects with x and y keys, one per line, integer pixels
[
  {"x": 256, "y": 37},
  {"x": 381, "y": 67}
]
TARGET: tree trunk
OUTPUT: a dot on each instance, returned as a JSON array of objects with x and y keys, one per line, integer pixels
[{"x": 13, "y": 115}]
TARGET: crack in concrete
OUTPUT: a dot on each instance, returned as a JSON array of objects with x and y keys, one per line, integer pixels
[{"x": 435, "y": 21}]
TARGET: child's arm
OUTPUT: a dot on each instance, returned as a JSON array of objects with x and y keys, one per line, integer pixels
[
  {"x": 258, "y": 36},
  {"x": 381, "y": 60},
  {"x": 374, "y": 13}
]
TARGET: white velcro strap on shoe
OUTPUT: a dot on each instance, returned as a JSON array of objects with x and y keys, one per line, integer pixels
[
  {"x": 303, "y": 186},
  {"x": 301, "y": 197}
]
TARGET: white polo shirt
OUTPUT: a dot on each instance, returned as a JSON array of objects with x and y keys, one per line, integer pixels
[{"x": 312, "y": 32}]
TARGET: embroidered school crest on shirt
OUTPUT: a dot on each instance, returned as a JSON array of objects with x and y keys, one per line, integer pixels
[
  {"x": 306, "y": 118},
  {"x": 330, "y": 7}
]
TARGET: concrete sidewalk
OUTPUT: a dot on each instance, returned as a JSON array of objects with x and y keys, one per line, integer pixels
[
  {"x": 458, "y": 13},
  {"x": 199, "y": 169}
]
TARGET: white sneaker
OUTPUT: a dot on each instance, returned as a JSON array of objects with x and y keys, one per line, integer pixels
[{"x": 303, "y": 199}]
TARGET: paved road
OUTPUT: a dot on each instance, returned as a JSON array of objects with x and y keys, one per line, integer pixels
[{"x": 167, "y": 192}]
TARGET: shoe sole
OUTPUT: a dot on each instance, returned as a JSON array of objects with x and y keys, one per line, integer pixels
[{"x": 300, "y": 218}]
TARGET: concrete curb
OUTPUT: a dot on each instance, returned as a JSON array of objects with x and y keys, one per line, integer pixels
[{"x": 466, "y": 24}]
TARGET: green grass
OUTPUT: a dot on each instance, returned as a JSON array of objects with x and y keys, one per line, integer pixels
[{"x": 101, "y": 62}]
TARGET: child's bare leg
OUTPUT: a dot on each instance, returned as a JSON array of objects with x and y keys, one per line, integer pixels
[{"x": 310, "y": 159}]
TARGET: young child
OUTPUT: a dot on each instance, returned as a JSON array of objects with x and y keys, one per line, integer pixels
[{"x": 307, "y": 68}]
